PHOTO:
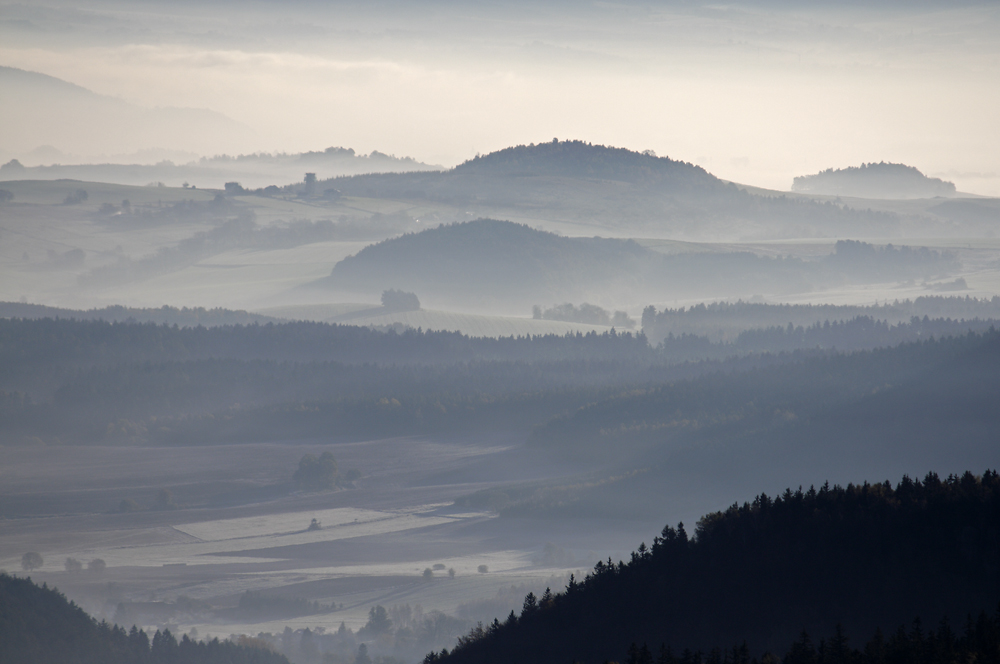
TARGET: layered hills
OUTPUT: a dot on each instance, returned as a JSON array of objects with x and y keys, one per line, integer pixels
[
  {"x": 490, "y": 262},
  {"x": 596, "y": 185}
]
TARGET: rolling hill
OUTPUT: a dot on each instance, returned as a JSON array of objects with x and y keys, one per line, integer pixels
[
  {"x": 614, "y": 188},
  {"x": 487, "y": 262}
]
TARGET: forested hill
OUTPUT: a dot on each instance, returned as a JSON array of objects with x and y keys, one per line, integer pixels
[
  {"x": 861, "y": 557},
  {"x": 39, "y": 626},
  {"x": 576, "y": 159},
  {"x": 879, "y": 180}
]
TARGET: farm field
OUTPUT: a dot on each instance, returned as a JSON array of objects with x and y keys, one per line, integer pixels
[
  {"x": 51, "y": 251},
  {"x": 240, "y": 525}
]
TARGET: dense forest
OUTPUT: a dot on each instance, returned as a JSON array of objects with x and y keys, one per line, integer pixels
[
  {"x": 960, "y": 373},
  {"x": 827, "y": 561},
  {"x": 95, "y": 381},
  {"x": 39, "y": 626}
]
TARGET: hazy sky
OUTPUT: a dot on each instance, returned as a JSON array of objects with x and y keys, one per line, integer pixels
[{"x": 754, "y": 92}]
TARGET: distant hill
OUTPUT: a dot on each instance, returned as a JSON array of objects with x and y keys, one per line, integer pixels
[
  {"x": 183, "y": 317},
  {"x": 881, "y": 180},
  {"x": 500, "y": 262},
  {"x": 38, "y": 625},
  {"x": 40, "y": 109},
  {"x": 252, "y": 171},
  {"x": 610, "y": 187},
  {"x": 576, "y": 159},
  {"x": 843, "y": 561},
  {"x": 487, "y": 261}
]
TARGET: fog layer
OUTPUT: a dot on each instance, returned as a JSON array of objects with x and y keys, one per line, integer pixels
[{"x": 756, "y": 93}]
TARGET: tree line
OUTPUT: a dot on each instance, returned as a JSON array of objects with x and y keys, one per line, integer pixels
[{"x": 38, "y": 624}]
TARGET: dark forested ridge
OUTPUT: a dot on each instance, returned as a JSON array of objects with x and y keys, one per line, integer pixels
[
  {"x": 957, "y": 375},
  {"x": 37, "y": 343},
  {"x": 832, "y": 561},
  {"x": 100, "y": 382},
  {"x": 39, "y": 626},
  {"x": 93, "y": 381}
]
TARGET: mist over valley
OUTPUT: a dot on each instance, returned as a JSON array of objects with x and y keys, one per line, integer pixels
[{"x": 398, "y": 333}]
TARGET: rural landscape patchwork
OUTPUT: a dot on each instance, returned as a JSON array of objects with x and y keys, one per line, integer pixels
[{"x": 499, "y": 333}]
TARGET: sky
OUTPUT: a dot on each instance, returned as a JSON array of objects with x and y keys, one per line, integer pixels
[{"x": 755, "y": 92}]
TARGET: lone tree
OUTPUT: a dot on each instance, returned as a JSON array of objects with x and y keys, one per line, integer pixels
[
  {"x": 96, "y": 566},
  {"x": 317, "y": 473},
  {"x": 73, "y": 565},
  {"x": 32, "y": 560},
  {"x": 397, "y": 300},
  {"x": 310, "y": 181}
]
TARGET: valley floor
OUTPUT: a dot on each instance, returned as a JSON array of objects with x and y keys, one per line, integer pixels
[{"x": 241, "y": 526}]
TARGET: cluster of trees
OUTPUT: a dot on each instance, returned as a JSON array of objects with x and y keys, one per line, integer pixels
[
  {"x": 317, "y": 473},
  {"x": 397, "y": 300},
  {"x": 257, "y": 605},
  {"x": 38, "y": 624},
  {"x": 828, "y": 560},
  {"x": 590, "y": 314},
  {"x": 74, "y": 566}
]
